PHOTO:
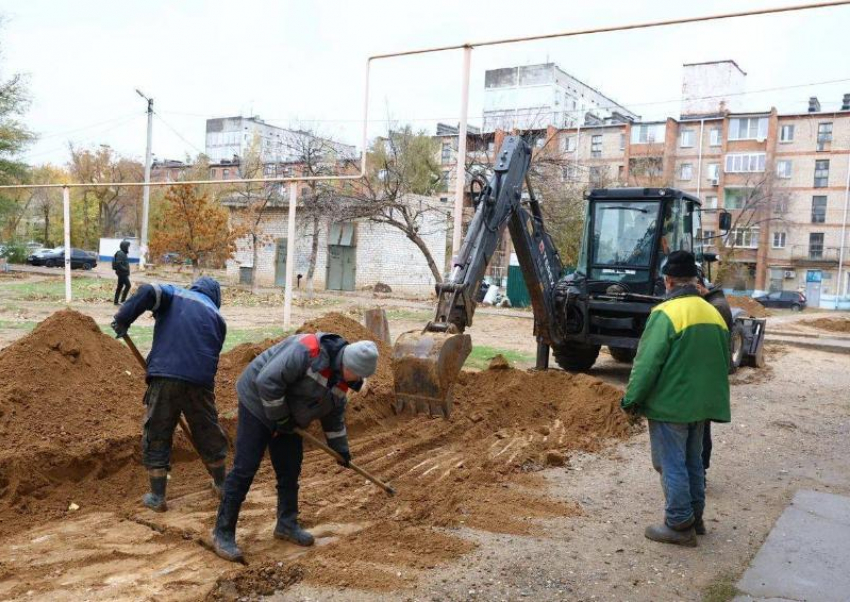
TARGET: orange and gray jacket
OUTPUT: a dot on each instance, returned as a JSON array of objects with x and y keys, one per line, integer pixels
[
  {"x": 681, "y": 370},
  {"x": 299, "y": 378}
]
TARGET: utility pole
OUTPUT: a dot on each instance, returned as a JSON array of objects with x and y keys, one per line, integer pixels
[{"x": 146, "y": 191}]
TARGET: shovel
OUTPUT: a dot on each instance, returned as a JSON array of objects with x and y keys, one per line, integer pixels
[{"x": 140, "y": 358}]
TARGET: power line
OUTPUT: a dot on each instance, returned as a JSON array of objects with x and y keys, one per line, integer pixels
[
  {"x": 175, "y": 132},
  {"x": 59, "y": 148}
]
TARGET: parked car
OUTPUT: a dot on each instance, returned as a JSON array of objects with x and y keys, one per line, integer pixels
[
  {"x": 79, "y": 259},
  {"x": 793, "y": 300},
  {"x": 36, "y": 257}
]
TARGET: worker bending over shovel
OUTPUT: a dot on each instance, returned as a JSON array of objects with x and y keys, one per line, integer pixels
[
  {"x": 301, "y": 379},
  {"x": 181, "y": 367}
]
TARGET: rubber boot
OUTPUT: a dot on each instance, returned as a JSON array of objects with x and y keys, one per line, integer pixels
[
  {"x": 699, "y": 525},
  {"x": 288, "y": 529},
  {"x": 217, "y": 472},
  {"x": 155, "y": 498},
  {"x": 680, "y": 535},
  {"x": 224, "y": 533}
]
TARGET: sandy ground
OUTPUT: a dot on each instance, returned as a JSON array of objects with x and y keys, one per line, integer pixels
[{"x": 790, "y": 430}]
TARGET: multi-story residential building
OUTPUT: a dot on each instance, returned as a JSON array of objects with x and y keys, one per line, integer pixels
[
  {"x": 230, "y": 138},
  {"x": 537, "y": 96},
  {"x": 783, "y": 177}
]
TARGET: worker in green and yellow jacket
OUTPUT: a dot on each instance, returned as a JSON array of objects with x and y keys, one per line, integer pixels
[{"x": 679, "y": 381}]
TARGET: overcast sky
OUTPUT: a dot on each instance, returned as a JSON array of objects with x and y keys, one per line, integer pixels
[{"x": 303, "y": 63}]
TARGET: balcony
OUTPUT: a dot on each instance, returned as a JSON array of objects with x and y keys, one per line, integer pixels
[{"x": 814, "y": 255}]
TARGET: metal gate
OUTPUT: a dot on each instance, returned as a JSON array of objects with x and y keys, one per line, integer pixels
[
  {"x": 342, "y": 257},
  {"x": 280, "y": 263}
]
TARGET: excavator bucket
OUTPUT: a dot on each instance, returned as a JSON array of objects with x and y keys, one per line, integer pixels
[{"x": 425, "y": 366}]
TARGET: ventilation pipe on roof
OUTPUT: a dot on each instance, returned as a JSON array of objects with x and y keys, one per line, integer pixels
[{"x": 814, "y": 105}]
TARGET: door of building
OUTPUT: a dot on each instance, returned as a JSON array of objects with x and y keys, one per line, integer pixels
[
  {"x": 342, "y": 257},
  {"x": 280, "y": 263},
  {"x": 342, "y": 267},
  {"x": 813, "y": 284}
]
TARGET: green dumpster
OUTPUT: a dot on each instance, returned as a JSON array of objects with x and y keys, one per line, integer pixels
[{"x": 516, "y": 290}]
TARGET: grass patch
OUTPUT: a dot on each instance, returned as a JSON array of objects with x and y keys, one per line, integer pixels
[
  {"x": 721, "y": 589},
  {"x": 82, "y": 289},
  {"x": 409, "y": 314},
  {"x": 482, "y": 354},
  {"x": 14, "y": 325},
  {"x": 143, "y": 335}
]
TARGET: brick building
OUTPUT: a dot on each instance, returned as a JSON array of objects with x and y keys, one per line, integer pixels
[
  {"x": 352, "y": 255},
  {"x": 783, "y": 177}
]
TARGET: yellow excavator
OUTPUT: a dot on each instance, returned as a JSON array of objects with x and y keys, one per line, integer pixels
[{"x": 628, "y": 234}]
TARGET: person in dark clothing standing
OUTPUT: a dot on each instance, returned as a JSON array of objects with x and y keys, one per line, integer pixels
[
  {"x": 121, "y": 265},
  {"x": 301, "y": 379},
  {"x": 187, "y": 341}
]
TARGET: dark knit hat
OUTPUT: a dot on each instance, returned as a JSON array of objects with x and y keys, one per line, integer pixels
[{"x": 680, "y": 264}]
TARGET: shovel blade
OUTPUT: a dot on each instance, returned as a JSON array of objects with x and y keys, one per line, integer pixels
[{"x": 425, "y": 367}]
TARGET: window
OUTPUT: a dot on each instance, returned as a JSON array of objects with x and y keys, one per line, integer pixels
[
  {"x": 748, "y": 128},
  {"x": 816, "y": 245},
  {"x": 708, "y": 236},
  {"x": 822, "y": 173},
  {"x": 570, "y": 144},
  {"x": 824, "y": 134},
  {"x": 779, "y": 240},
  {"x": 596, "y": 174},
  {"x": 786, "y": 133},
  {"x": 745, "y": 162},
  {"x": 783, "y": 169},
  {"x": 570, "y": 173},
  {"x": 444, "y": 199},
  {"x": 686, "y": 171},
  {"x": 445, "y": 179},
  {"x": 712, "y": 171},
  {"x": 446, "y": 153},
  {"x": 622, "y": 141},
  {"x": 225, "y": 173},
  {"x": 710, "y": 202},
  {"x": 687, "y": 138},
  {"x": 818, "y": 209},
  {"x": 648, "y": 133},
  {"x": 736, "y": 198},
  {"x": 596, "y": 145},
  {"x": 715, "y": 137},
  {"x": 744, "y": 238}
]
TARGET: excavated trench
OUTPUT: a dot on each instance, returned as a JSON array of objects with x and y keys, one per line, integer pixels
[{"x": 70, "y": 418}]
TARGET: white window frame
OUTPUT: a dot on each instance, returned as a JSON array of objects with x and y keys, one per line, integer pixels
[
  {"x": 596, "y": 146},
  {"x": 569, "y": 144},
  {"x": 708, "y": 237},
  {"x": 786, "y": 133},
  {"x": 648, "y": 133},
  {"x": 749, "y": 238},
  {"x": 779, "y": 240},
  {"x": 745, "y": 162},
  {"x": 686, "y": 171},
  {"x": 710, "y": 204},
  {"x": 686, "y": 138},
  {"x": 712, "y": 171},
  {"x": 716, "y": 137},
  {"x": 748, "y": 128},
  {"x": 783, "y": 169}
]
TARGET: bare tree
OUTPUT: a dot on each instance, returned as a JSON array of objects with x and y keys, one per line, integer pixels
[{"x": 399, "y": 166}]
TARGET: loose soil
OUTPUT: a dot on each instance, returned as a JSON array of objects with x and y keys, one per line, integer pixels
[
  {"x": 750, "y": 306},
  {"x": 477, "y": 469},
  {"x": 830, "y": 324}
]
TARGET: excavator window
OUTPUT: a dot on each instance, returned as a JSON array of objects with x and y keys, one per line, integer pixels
[{"x": 624, "y": 234}]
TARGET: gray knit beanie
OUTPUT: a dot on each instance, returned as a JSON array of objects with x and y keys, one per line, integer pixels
[{"x": 361, "y": 358}]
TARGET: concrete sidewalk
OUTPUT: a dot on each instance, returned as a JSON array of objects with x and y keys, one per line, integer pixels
[{"x": 806, "y": 556}]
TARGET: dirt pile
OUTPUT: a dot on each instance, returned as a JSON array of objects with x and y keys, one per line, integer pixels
[
  {"x": 70, "y": 408},
  {"x": 830, "y": 324},
  {"x": 750, "y": 306}
]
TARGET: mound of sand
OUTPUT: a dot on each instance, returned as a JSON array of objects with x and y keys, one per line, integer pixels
[
  {"x": 750, "y": 306},
  {"x": 830, "y": 324}
]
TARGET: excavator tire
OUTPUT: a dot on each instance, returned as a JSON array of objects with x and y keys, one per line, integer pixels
[
  {"x": 576, "y": 357},
  {"x": 623, "y": 354}
]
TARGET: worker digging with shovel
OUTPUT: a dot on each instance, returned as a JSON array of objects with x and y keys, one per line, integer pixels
[
  {"x": 187, "y": 341},
  {"x": 301, "y": 379}
]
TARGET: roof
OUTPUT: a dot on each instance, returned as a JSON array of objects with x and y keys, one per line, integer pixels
[{"x": 721, "y": 62}]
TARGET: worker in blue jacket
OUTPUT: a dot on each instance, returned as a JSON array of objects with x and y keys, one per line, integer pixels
[{"x": 187, "y": 341}]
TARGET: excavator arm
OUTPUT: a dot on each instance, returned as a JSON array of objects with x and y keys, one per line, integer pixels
[{"x": 426, "y": 363}]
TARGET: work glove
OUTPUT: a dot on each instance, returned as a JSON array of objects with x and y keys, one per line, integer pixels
[
  {"x": 120, "y": 329},
  {"x": 340, "y": 446},
  {"x": 284, "y": 426}
]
